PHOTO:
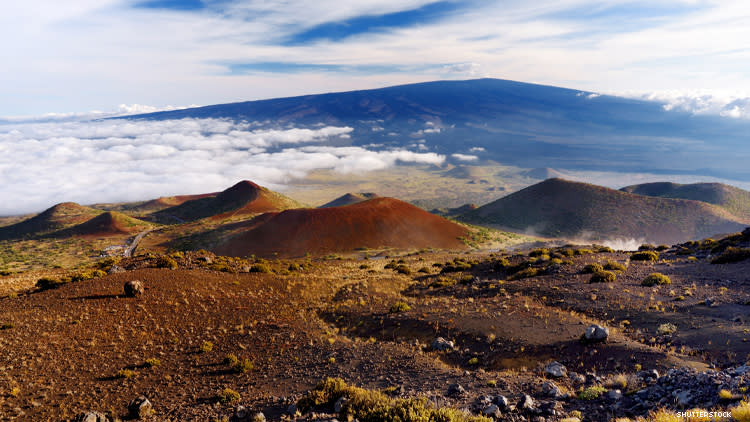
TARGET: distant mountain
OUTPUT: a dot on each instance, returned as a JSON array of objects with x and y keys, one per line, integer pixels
[
  {"x": 349, "y": 199},
  {"x": 147, "y": 207},
  {"x": 58, "y": 217},
  {"x": 243, "y": 199},
  {"x": 105, "y": 224},
  {"x": 542, "y": 173},
  {"x": 453, "y": 212},
  {"x": 734, "y": 200},
  {"x": 560, "y": 208},
  {"x": 514, "y": 123},
  {"x": 379, "y": 222}
]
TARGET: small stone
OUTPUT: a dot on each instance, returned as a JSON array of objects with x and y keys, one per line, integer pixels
[
  {"x": 440, "y": 344},
  {"x": 556, "y": 370},
  {"x": 292, "y": 410},
  {"x": 501, "y": 402},
  {"x": 614, "y": 395},
  {"x": 133, "y": 288},
  {"x": 526, "y": 403},
  {"x": 91, "y": 417},
  {"x": 140, "y": 407},
  {"x": 577, "y": 378},
  {"x": 115, "y": 269},
  {"x": 551, "y": 389},
  {"x": 240, "y": 413},
  {"x": 205, "y": 259},
  {"x": 339, "y": 404},
  {"x": 492, "y": 411},
  {"x": 259, "y": 417},
  {"x": 596, "y": 333},
  {"x": 456, "y": 390}
]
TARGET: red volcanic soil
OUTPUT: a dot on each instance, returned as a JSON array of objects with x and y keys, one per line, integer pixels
[
  {"x": 108, "y": 223},
  {"x": 379, "y": 222},
  {"x": 244, "y": 198}
]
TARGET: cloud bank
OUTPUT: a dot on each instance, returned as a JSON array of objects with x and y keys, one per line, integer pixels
[{"x": 43, "y": 163}]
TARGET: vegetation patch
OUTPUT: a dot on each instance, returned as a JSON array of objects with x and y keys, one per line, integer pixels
[
  {"x": 645, "y": 256},
  {"x": 228, "y": 396},
  {"x": 374, "y": 406},
  {"x": 399, "y": 307},
  {"x": 656, "y": 279},
  {"x": 591, "y": 393},
  {"x": 603, "y": 277},
  {"x": 732, "y": 254},
  {"x": 615, "y": 266},
  {"x": 592, "y": 268}
]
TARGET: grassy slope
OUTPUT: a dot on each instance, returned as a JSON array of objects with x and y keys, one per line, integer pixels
[
  {"x": 58, "y": 217},
  {"x": 557, "y": 207},
  {"x": 734, "y": 200}
]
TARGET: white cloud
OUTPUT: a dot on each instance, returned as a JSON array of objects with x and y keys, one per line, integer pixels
[
  {"x": 476, "y": 149},
  {"x": 465, "y": 157},
  {"x": 726, "y": 104},
  {"x": 43, "y": 163}
]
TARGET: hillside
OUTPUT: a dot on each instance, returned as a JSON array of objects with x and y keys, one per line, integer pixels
[
  {"x": 55, "y": 218},
  {"x": 734, "y": 200},
  {"x": 560, "y": 208},
  {"x": 104, "y": 224},
  {"x": 349, "y": 199},
  {"x": 379, "y": 222},
  {"x": 243, "y": 199},
  {"x": 154, "y": 205},
  {"x": 513, "y": 123}
]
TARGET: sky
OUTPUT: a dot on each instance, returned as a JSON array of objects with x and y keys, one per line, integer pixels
[{"x": 85, "y": 55}]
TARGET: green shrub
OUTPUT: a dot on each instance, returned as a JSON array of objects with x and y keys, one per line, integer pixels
[
  {"x": 126, "y": 373},
  {"x": 592, "y": 268},
  {"x": 603, "y": 249},
  {"x": 591, "y": 393},
  {"x": 260, "y": 268},
  {"x": 603, "y": 277},
  {"x": 165, "y": 262},
  {"x": 656, "y": 279},
  {"x": 646, "y": 247},
  {"x": 243, "y": 365},
  {"x": 206, "y": 347},
  {"x": 374, "y": 406},
  {"x": 615, "y": 266},
  {"x": 455, "y": 266},
  {"x": 45, "y": 283},
  {"x": 152, "y": 363},
  {"x": 732, "y": 254},
  {"x": 645, "y": 256},
  {"x": 525, "y": 273},
  {"x": 444, "y": 281},
  {"x": 582, "y": 251},
  {"x": 228, "y": 396},
  {"x": 539, "y": 252},
  {"x": 403, "y": 269},
  {"x": 399, "y": 307}
]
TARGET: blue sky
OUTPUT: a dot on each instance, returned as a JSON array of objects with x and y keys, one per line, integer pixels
[{"x": 83, "y": 55}]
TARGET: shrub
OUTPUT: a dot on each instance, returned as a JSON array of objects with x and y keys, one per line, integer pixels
[
  {"x": 126, "y": 373},
  {"x": 206, "y": 347},
  {"x": 403, "y": 269},
  {"x": 655, "y": 279},
  {"x": 539, "y": 252},
  {"x": 666, "y": 328},
  {"x": 615, "y": 266},
  {"x": 592, "y": 268},
  {"x": 152, "y": 363},
  {"x": 603, "y": 277},
  {"x": 243, "y": 365},
  {"x": 228, "y": 396},
  {"x": 455, "y": 266},
  {"x": 525, "y": 273},
  {"x": 732, "y": 254},
  {"x": 741, "y": 413},
  {"x": 591, "y": 393},
  {"x": 260, "y": 268},
  {"x": 725, "y": 394},
  {"x": 399, "y": 307},
  {"x": 230, "y": 359},
  {"x": 582, "y": 252},
  {"x": 165, "y": 262},
  {"x": 473, "y": 361},
  {"x": 663, "y": 415},
  {"x": 604, "y": 249},
  {"x": 374, "y": 406},
  {"x": 646, "y": 247},
  {"x": 45, "y": 283},
  {"x": 645, "y": 256},
  {"x": 662, "y": 248}
]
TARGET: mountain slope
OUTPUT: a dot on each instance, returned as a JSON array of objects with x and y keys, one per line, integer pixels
[
  {"x": 58, "y": 217},
  {"x": 243, "y": 199},
  {"x": 349, "y": 199},
  {"x": 734, "y": 200},
  {"x": 526, "y": 125},
  {"x": 561, "y": 208},
  {"x": 107, "y": 223},
  {"x": 379, "y": 222}
]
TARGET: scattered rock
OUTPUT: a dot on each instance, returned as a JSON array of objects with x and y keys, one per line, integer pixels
[
  {"x": 501, "y": 402},
  {"x": 115, "y": 269},
  {"x": 91, "y": 417},
  {"x": 614, "y": 395},
  {"x": 551, "y": 389},
  {"x": 205, "y": 259},
  {"x": 133, "y": 288},
  {"x": 556, "y": 370},
  {"x": 139, "y": 408},
  {"x": 492, "y": 411},
  {"x": 526, "y": 403},
  {"x": 259, "y": 417},
  {"x": 440, "y": 344},
  {"x": 339, "y": 404},
  {"x": 596, "y": 333},
  {"x": 292, "y": 410},
  {"x": 577, "y": 378},
  {"x": 456, "y": 390}
]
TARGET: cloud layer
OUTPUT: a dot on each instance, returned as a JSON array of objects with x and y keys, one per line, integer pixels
[{"x": 43, "y": 163}]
